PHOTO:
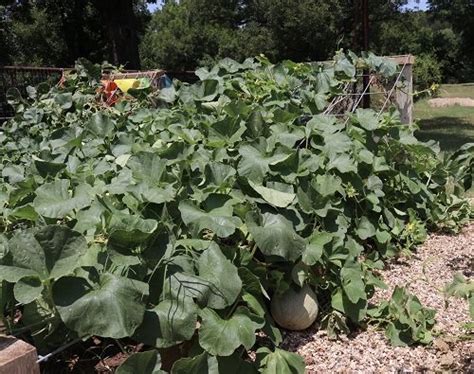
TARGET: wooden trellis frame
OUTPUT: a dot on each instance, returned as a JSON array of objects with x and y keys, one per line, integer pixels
[
  {"x": 404, "y": 94},
  {"x": 398, "y": 91}
]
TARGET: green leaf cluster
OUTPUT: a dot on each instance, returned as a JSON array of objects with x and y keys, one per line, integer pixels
[
  {"x": 175, "y": 216},
  {"x": 405, "y": 320},
  {"x": 461, "y": 287}
]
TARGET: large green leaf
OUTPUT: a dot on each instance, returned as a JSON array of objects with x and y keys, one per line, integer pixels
[
  {"x": 275, "y": 236},
  {"x": 181, "y": 285},
  {"x": 342, "y": 162},
  {"x": 148, "y": 167},
  {"x": 48, "y": 167},
  {"x": 352, "y": 281},
  {"x": 219, "y": 174},
  {"x": 216, "y": 269},
  {"x": 150, "y": 181},
  {"x": 27, "y": 289},
  {"x": 279, "y": 361},
  {"x": 101, "y": 126},
  {"x": 365, "y": 228},
  {"x": 221, "y": 337},
  {"x": 367, "y": 119},
  {"x": 336, "y": 143},
  {"x": 345, "y": 66},
  {"x": 315, "y": 247},
  {"x": 47, "y": 252},
  {"x": 13, "y": 274},
  {"x": 219, "y": 218},
  {"x": 64, "y": 100},
  {"x": 274, "y": 197},
  {"x": 148, "y": 362},
  {"x": 127, "y": 229},
  {"x": 229, "y": 129},
  {"x": 355, "y": 311},
  {"x": 327, "y": 184},
  {"x": 113, "y": 307},
  {"x": 171, "y": 322},
  {"x": 153, "y": 194},
  {"x": 254, "y": 164},
  {"x": 200, "y": 364},
  {"x": 55, "y": 200}
]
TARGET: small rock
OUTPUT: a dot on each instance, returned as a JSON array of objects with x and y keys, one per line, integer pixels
[
  {"x": 447, "y": 360},
  {"x": 441, "y": 345}
]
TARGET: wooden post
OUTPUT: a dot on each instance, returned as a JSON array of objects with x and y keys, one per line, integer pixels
[
  {"x": 17, "y": 357},
  {"x": 366, "y": 72},
  {"x": 404, "y": 93}
]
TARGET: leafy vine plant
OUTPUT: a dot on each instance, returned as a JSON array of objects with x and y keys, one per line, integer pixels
[{"x": 176, "y": 218}]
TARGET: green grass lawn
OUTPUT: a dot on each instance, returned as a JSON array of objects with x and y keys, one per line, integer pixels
[{"x": 452, "y": 126}]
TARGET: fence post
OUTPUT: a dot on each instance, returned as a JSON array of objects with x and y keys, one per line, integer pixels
[
  {"x": 17, "y": 357},
  {"x": 404, "y": 93}
]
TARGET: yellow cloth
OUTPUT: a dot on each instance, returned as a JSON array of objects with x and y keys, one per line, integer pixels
[{"x": 126, "y": 84}]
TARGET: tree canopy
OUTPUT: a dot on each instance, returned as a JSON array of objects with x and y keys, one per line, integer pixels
[
  {"x": 185, "y": 34},
  {"x": 57, "y": 32}
]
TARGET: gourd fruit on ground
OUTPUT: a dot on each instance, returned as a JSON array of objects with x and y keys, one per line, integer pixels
[{"x": 295, "y": 309}]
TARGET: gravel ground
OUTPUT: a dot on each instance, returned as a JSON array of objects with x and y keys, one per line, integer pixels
[{"x": 370, "y": 352}]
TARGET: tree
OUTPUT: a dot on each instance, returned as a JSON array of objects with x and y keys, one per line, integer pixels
[
  {"x": 188, "y": 33},
  {"x": 53, "y": 32},
  {"x": 57, "y": 32},
  {"x": 304, "y": 29},
  {"x": 5, "y": 36},
  {"x": 460, "y": 15},
  {"x": 121, "y": 25}
]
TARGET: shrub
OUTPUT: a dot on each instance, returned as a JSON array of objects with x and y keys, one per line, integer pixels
[{"x": 426, "y": 75}]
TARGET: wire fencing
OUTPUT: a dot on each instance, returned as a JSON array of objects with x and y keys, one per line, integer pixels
[
  {"x": 20, "y": 77},
  {"x": 382, "y": 92}
]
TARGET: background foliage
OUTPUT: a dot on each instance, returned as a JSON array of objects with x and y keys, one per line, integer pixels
[{"x": 189, "y": 33}]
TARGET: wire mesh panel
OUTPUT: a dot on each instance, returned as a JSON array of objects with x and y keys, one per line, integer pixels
[
  {"x": 20, "y": 77},
  {"x": 382, "y": 92}
]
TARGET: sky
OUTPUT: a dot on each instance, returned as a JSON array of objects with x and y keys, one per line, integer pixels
[
  {"x": 421, "y": 5},
  {"x": 412, "y": 5},
  {"x": 153, "y": 7}
]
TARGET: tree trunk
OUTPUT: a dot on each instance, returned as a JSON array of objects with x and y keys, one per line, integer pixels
[{"x": 119, "y": 19}]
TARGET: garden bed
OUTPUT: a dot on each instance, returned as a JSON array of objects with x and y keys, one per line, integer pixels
[{"x": 175, "y": 221}]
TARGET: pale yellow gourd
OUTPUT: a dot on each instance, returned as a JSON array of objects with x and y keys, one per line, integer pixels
[{"x": 295, "y": 309}]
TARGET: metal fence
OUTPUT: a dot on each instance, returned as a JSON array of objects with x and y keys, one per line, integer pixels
[{"x": 21, "y": 77}]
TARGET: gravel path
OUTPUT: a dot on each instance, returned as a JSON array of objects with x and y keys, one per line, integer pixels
[{"x": 370, "y": 352}]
